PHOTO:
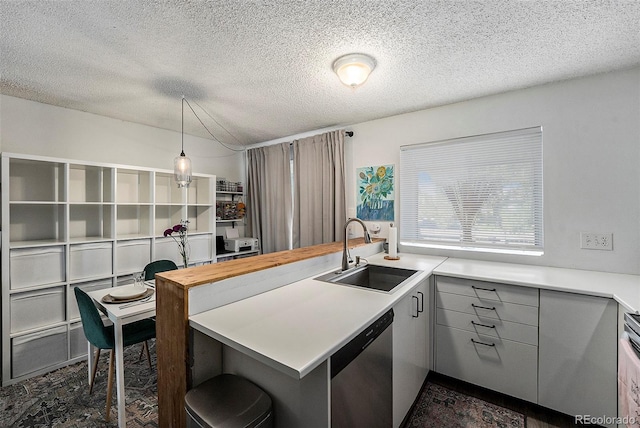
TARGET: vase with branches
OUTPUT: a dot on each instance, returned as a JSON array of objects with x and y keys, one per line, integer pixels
[{"x": 181, "y": 239}]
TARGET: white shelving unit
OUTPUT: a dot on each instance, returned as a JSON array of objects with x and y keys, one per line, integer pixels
[
  {"x": 70, "y": 224},
  {"x": 231, "y": 196}
]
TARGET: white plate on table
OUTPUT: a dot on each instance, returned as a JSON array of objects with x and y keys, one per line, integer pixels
[{"x": 127, "y": 292}]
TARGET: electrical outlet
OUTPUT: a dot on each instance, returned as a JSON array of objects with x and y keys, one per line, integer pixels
[{"x": 596, "y": 241}]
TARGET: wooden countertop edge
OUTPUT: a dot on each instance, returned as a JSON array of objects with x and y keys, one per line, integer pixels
[{"x": 199, "y": 275}]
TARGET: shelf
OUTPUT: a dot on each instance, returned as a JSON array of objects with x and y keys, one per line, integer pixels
[
  {"x": 69, "y": 224},
  {"x": 133, "y": 220},
  {"x": 239, "y": 253},
  {"x": 167, "y": 191},
  {"x": 166, "y": 216},
  {"x": 200, "y": 191},
  {"x": 42, "y": 222},
  {"x": 137, "y": 204},
  {"x": 222, "y": 192},
  {"x": 36, "y": 203},
  {"x": 133, "y": 186},
  {"x": 132, "y": 236},
  {"x": 89, "y": 239},
  {"x": 90, "y": 221},
  {"x": 37, "y": 243},
  {"x": 90, "y": 184},
  {"x": 34, "y": 180}
]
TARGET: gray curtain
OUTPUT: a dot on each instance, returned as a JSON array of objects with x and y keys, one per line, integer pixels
[
  {"x": 319, "y": 209},
  {"x": 269, "y": 206}
]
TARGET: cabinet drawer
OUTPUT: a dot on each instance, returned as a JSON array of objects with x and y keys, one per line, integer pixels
[
  {"x": 73, "y": 312},
  {"x": 90, "y": 260},
  {"x": 77, "y": 341},
  {"x": 37, "y": 351},
  {"x": 200, "y": 248},
  {"x": 494, "y": 328},
  {"x": 133, "y": 255},
  {"x": 489, "y": 290},
  {"x": 48, "y": 260},
  {"x": 33, "y": 309},
  {"x": 488, "y": 310},
  {"x": 506, "y": 366}
]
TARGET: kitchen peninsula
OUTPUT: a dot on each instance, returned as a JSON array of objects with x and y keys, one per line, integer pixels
[{"x": 183, "y": 293}]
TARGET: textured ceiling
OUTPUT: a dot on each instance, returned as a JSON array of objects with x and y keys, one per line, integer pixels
[{"x": 262, "y": 69}]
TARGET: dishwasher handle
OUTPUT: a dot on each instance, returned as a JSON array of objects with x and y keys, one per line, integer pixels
[{"x": 349, "y": 352}]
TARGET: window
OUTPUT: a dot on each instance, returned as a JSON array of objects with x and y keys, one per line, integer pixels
[{"x": 481, "y": 193}]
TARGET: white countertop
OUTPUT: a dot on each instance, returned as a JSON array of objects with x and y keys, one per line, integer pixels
[
  {"x": 625, "y": 289},
  {"x": 296, "y": 327}
]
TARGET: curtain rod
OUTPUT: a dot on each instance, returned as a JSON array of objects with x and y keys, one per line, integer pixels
[{"x": 347, "y": 133}]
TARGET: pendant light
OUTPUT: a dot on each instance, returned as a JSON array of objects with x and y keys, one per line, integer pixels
[
  {"x": 182, "y": 164},
  {"x": 354, "y": 69}
]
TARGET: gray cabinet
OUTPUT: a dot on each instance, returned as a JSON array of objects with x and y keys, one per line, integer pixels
[
  {"x": 578, "y": 354},
  {"x": 486, "y": 334},
  {"x": 553, "y": 348},
  {"x": 410, "y": 349}
]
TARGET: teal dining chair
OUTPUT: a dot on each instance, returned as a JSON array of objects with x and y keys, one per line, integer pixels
[
  {"x": 102, "y": 337},
  {"x": 154, "y": 267},
  {"x": 150, "y": 271}
]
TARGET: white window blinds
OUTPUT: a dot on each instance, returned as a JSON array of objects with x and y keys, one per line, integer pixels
[{"x": 481, "y": 193}]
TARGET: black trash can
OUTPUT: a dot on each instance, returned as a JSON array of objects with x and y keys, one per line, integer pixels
[{"x": 228, "y": 401}]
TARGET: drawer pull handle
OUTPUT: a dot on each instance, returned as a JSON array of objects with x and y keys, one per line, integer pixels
[
  {"x": 484, "y": 289},
  {"x": 477, "y": 342},
  {"x": 483, "y": 307},
  {"x": 421, "y": 301},
  {"x": 417, "y": 307},
  {"x": 482, "y": 325}
]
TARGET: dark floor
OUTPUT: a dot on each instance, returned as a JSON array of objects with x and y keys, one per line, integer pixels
[{"x": 536, "y": 416}]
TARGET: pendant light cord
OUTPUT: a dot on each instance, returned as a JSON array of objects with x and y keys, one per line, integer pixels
[
  {"x": 182, "y": 152},
  {"x": 205, "y": 127}
]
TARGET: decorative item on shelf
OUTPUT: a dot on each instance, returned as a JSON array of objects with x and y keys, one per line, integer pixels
[
  {"x": 241, "y": 208},
  {"x": 354, "y": 69},
  {"x": 182, "y": 164},
  {"x": 221, "y": 184},
  {"x": 181, "y": 240},
  {"x": 227, "y": 210}
]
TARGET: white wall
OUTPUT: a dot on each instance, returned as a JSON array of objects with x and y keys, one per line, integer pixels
[
  {"x": 33, "y": 128},
  {"x": 591, "y": 131},
  {"x": 591, "y": 134}
]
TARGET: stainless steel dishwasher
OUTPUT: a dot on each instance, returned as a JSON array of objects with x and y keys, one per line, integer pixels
[{"x": 361, "y": 378}]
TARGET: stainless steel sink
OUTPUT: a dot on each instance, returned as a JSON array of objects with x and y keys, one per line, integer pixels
[{"x": 375, "y": 277}]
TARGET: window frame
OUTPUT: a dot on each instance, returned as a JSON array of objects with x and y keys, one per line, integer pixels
[{"x": 523, "y": 147}]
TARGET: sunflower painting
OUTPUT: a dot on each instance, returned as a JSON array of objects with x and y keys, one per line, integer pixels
[{"x": 375, "y": 193}]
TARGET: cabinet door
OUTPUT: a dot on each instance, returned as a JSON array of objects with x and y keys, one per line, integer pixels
[
  {"x": 410, "y": 350},
  {"x": 423, "y": 348},
  {"x": 578, "y": 348}
]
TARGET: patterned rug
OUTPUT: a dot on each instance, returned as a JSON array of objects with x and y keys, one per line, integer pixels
[
  {"x": 61, "y": 398},
  {"x": 440, "y": 407}
]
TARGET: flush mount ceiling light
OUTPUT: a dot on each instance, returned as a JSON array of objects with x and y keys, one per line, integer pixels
[{"x": 353, "y": 69}]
